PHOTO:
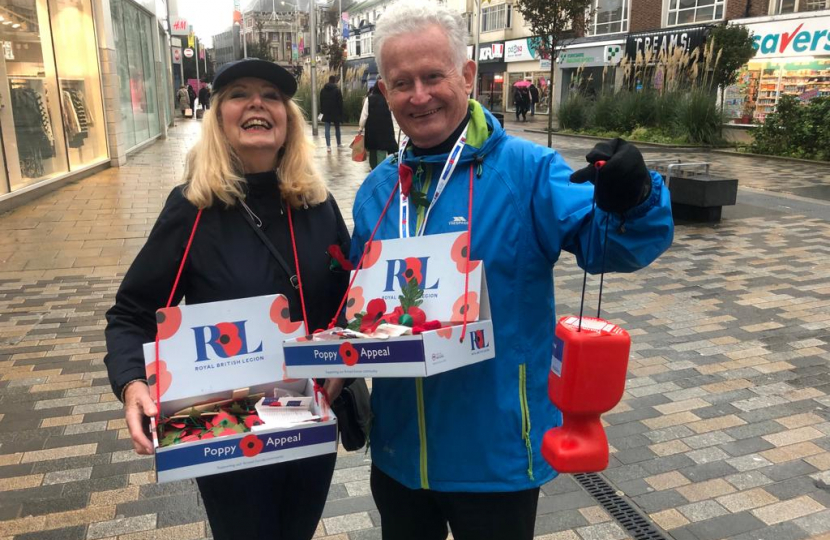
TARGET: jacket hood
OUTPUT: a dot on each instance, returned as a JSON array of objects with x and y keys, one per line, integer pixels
[{"x": 483, "y": 134}]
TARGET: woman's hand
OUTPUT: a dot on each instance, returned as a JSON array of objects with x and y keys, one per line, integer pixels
[
  {"x": 333, "y": 387},
  {"x": 137, "y": 405}
]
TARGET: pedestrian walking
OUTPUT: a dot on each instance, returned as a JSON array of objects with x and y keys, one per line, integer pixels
[
  {"x": 331, "y": 107},
  {"x": 191, "y": 93},
  {"x": 534, "y": 98},
  {"x": 379, "y": 126},
  {"x": 521, "y": 101},
  {"x": 183, "y": 100},
  {"x": 252, "y": 169},
  {"x": 204, "y": 97},
  {"x": 438, "y": 457}
]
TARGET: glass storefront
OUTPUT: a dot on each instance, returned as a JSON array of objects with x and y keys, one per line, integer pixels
[
  {"x": 541, "y": 79},
  {"x": 490, "y": 91},
  {"x": 133, "y": 32},
  {"x": 51, "y": 113}
]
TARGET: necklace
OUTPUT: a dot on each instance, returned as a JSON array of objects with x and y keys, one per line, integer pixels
[{"x": 254, "y": 217}]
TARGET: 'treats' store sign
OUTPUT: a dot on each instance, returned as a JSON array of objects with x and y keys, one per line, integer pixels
[
  {"x": 794, "y": 37},
  {"x": 667, "y": 40}
]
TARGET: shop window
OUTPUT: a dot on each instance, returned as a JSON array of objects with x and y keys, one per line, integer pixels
[
  {"x": 797, "y": 6},
  {"x": 609, "y": 17},
  {"x": 694, "y": 11},
  {"x": 496, "y": 17}
]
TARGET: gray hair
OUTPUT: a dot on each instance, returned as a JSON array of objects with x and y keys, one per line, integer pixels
[{"x": 410, "y": 16}]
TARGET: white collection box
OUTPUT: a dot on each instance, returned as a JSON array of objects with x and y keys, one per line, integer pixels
[
  {"x": 438, "y": 263},
  {"x": 228, "y": 350}
]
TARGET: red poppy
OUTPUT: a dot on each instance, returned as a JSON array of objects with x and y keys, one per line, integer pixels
[
  {"x": 470, "y": 306},
  {"x": 405, "y": 174},
  {"x": 413, "y": 270},
  {"x": 418, "y": 316},
  {"x": 348, "y": 353},
  {"x": 372, "y": 253},
  {"x": 225, "y": 420},
  {"x": 250, "y": 445},
  {"x": 207, "y": 435},
  {"x": 354, "y": 304},
  {"x": 337, "y": 254},
  {"x": 229, "y": 338},
  {"x": 281, "y": 315},
  {"x": 428, "y": 326},
  {"x": 445, "y": 332},
  {"x": 252, "y": 420},
  {"x": 374, "y": 315},
  {"x": 164, "y": 378},
  {"x": 459, "y": 254},
  {"x": 168, "y": 321}
]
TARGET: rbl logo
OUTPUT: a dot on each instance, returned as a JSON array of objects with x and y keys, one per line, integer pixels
[
  {"x": 477, "y": 340},
  {"x": 405, "y": 270},
  {"x": 226, "y": 339}
]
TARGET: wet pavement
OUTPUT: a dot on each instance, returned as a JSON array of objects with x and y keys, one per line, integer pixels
[{"x": 724, "y": 431}]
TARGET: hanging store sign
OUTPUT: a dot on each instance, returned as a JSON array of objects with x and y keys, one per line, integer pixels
[
  {"x": 522, "y": 50},
  {"x": 179, "y": 26},
  {"x": 177, "y": 55},
  {"x": 491, "y": 52},
  {"x": 795, "y": 37},
  {"x": 188, "y": 53},
  {"x": 667, "y": 40}
]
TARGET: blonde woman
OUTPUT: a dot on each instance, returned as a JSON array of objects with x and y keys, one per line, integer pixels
[{"x": 251, "y": 167}]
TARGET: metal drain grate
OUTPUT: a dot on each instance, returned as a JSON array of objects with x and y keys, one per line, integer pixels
[{"x": 620, "y": 509}]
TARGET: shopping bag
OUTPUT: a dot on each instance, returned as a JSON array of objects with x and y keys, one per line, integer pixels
[
  {"x": 320, "y": 117},
  {"x": 188, "y": 113},
  {"x": 358, "y": 150},
  {"x": 200, "y": 113}
]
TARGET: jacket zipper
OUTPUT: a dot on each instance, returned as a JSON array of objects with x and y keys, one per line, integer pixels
[{"x": 525, "y": 418}]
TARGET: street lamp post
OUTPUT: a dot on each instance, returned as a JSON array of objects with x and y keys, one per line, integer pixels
[
  {"x": 475, "y": 47},
  {"x": 312, "y": 8}
]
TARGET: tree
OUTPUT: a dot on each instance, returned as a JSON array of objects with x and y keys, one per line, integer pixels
[
  {"x": 733, "y": 44},
  {"x": 334, "y": 52},
  {"x": 259, "y": 48},
  {"x": 553, "y": 21}
]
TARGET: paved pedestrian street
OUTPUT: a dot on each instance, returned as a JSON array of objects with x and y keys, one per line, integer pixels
[{"x": 724, "y": 430}]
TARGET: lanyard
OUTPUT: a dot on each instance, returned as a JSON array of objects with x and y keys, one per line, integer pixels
[{"x": 446, "y": 173}]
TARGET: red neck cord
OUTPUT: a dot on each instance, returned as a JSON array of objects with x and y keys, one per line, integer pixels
[
  {"x": 469, "y": 252},
  {"x": 297, "y": 266},
  {"x": 170, "y": 301}
]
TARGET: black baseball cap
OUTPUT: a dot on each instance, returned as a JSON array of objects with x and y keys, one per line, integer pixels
[{"x": 254, "y": 67}]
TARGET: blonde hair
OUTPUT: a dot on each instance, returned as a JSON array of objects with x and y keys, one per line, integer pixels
[{"x": 213, "y": 170}]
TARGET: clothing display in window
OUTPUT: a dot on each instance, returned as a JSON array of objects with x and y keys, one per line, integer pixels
[
  {"x": 76, "y": 120},
  {"x": 35, "y": 141}
]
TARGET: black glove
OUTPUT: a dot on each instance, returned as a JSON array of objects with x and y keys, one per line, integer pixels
[{"x": 623, "y": 182}]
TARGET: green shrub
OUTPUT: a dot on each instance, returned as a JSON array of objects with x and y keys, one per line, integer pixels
[
  {"x": 574, "y": 112},
  {"x": 699, "y": 118},
  {"x": 605, "y": 112},
  {"x": 796, "y": 130},
  {"x": 666, "y": 108},
  {"x": 635, "y": 109}
]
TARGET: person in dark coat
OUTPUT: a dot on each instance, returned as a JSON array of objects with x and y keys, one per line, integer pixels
[
  {"x": 204, "y": 97},
  {"x": 192, "y": 95},
  {"x": 534, "y": 98},
  {"x": 253, "y": 167},
  {"x": 331, "y": 107},
  {"x": 379, "y": 125},
  {"x": 521, "y": 100}
]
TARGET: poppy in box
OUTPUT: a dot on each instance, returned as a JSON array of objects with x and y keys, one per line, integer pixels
[
  {"x": 252, "y": 420},
  {"x": 354, "y": 304},
  {"x": 405, "y": 174},
  {"x": 468, "y": 306},
  {"x": 163, "y": 377},
  {"x": 374, "y": 314},
  {"x": 459, "y": 253},
  {"x": 348, "y": 353},
  {"x": 168, "y": 321},
  {"x": 281, "y": 315},
  {"x": 250, "y": 445}
]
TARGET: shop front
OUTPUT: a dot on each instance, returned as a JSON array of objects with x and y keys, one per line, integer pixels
[
  {"x": 526, "y": 62},
  {"x": 792, "y": 58},
  {"x": 491, "y": 69},
  {"x": 51, "y": 107},
  {"x": 588, "y": 68}
]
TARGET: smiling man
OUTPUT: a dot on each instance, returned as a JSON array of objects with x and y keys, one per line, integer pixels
[{"x": 462, "y": 448}]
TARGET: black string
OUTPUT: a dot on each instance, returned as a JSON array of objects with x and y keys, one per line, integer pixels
[
  {"x": 602, "y": 275},
  {"x": 585, "y": 273}
]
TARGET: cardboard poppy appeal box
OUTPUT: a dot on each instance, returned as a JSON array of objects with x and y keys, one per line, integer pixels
[
  {"x": 424, "y": 277},
  {"x": 216, "y": 353}
]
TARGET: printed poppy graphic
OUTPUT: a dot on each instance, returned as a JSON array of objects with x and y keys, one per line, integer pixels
[
  {"x": 354, "y": 304},
  {"x": 405, "y": 174},
  {"x": 372, "y": 253},
  {"x": 413, "y": 270},
  {"x": 168, "y": 321},
  {"x": 374, "y": 315},
  {"x": 459, "y": 254},
  {"x": 281, "y": 315},
  {"x": 229, "y": 338},
  {"x": 348, "y": 353},
  {"x": 470, "y": 307},
  {"x": 250, "y": 445},
  {"x": 164, "y": 378},
  {"x": 445, "y": 332}
]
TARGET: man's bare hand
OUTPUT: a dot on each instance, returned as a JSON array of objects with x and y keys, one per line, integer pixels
[{"x": 137, "y": 405}]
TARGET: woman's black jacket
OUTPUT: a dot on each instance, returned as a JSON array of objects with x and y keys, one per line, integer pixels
[
  {"x": 380, "y": 132},
  {"x": 227, "y": 260}
]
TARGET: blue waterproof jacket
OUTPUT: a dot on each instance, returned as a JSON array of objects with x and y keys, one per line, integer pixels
[{"x": 479, "y": 428}]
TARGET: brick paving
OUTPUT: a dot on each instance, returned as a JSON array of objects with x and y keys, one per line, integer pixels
[{"x": 724, "y": 431}]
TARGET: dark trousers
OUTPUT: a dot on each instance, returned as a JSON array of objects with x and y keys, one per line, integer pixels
[
  {"x": 274, "y": 502},
  {"x": 419, "y": 514}
]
